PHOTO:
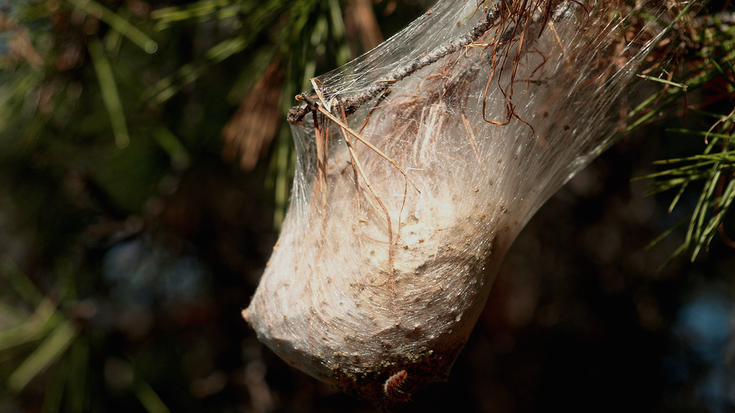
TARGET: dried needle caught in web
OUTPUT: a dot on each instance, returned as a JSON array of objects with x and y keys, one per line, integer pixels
[{"x": 418, "y": 165}]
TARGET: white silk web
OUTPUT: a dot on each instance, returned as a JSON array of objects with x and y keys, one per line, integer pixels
[{"x": 418, "y": 164}]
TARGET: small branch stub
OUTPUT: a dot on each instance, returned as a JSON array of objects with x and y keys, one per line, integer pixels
[{"x": 393, "y": 387}]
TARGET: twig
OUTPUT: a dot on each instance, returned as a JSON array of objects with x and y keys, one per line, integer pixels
[
  {"x": 352, "y": 103},
  {"x": 349, "y": 130}
]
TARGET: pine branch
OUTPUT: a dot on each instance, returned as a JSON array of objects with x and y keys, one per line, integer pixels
[{"x": 706, "y": 67}]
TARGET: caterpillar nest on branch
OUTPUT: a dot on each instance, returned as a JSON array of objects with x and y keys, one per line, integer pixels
[{"x": 418, "y": 165}]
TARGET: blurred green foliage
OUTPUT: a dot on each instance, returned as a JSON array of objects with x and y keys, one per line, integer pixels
[{"x": 115, "y": 204}]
